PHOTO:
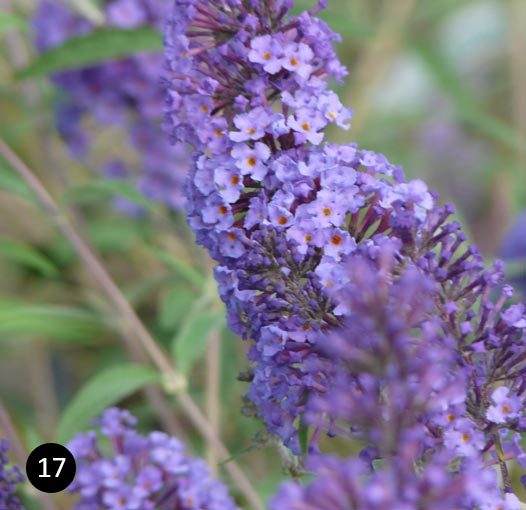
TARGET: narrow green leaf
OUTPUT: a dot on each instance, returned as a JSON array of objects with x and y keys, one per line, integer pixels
[
  {"x": 113, "y": 236},
  {"x": 97, "y": 46},
  {"x": 102, "y": 390},
  {"x": 53, "y": 322},
  {"x": 10, "y": 21},
  {"x": 175, "y": 305},
  {"x": 100, "y": 189},
  {"x": 26, "y": 256},
  {"x": 181, "y": 267},
  {"x": 191, "y": 340}
]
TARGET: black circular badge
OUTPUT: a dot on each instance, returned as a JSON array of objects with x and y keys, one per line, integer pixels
[{"x": 50, "y": 467}]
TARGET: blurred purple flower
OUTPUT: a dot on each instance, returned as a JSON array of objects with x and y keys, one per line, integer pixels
[
  {"x": 140, "y": 472},
  {"x": 9, "y": 478},
  {"x": 132, "y": 103}
]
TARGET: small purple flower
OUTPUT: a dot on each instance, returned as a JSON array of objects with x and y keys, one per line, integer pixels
[
  {"x": 504, "y": 407},
  {"x": 267, "y": 51},
  {"x": 307, "y": 125},
  {"x": 251, "y": 125},
  {"x": 464, "y": 438},
  {"x": 297, "y": 58},
  {"x": 251, "y": 160}
]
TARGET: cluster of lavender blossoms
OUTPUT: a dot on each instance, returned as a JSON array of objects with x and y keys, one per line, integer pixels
[
  {"x": 124, "y": 93},
  {"x": 9, "y": 478},
  {"x": 370, "y": 317},
  {"x": 140, "y": 472}
]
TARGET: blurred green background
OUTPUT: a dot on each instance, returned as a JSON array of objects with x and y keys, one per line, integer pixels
[{"x": 438, "y": 86}]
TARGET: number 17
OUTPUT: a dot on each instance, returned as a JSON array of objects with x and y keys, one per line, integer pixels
[{"x": 44, "y": 462}]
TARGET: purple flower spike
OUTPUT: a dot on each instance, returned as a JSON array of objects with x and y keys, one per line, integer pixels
[
  {"x": 140, "y": 472},
  {"x": 133, "y": 103},
  {"x": 369, "y": 316}
]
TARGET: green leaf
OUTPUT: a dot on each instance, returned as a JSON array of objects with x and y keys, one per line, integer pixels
[
  {"x": 190, "y": 342},
  {"x": 26, "y": 256},
  {"x": 181, "y": 267},
  {"x": 10, "y": 21},
  {"x": 53, "y": 322},
  {"x": 102, "y": 390},
  {"x": 100, "y": 189},
  {"x": 113, "y": 236},
  {"x": 175, "y": 305},
  {"x": 97, "y": 46},
  {"x": 11, "y": 182}
]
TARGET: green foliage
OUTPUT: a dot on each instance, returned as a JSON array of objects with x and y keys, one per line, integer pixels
[
  {"x": 27, "y": 256},
  {"x": 104, "y": 389},
  {"x": 190, "y": 342},
  {"x": 97, "y": 46},
  {"x": 98, "y": 190},
  {"x": 102, "y": 44},
  {"x": 55, "y": 323},
  {"x": 175, "y": 306},
  {"x": 11, "y": 21},
  {"x": 182, "y": 268}
]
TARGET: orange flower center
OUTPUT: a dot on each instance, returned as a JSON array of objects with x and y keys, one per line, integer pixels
[
  {"x": 267, "y": 55},
  {"x": 326, "y": 211},
  {"x": 282, "y": 220},
  {"x": 293, "y": 61},
  {"x": 305, "y": 126},
  {"x": 251, "y": 161},
  {"x": 231, "y": 236},
  {"x": 223, "y": 209},
  {"x": 234, "y": 180},
  {"x": 336, "y": 240},
  {"x": 251, "y": 131}
]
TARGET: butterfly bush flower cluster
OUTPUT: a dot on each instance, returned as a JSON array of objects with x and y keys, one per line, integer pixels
[
  {"x": 125, "y": 94},
  {"x": 9, "y": 478},
  {"x": 140, "y": 472},
  {"x": 370, "y": 315}
]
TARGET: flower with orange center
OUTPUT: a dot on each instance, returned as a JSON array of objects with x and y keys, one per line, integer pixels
[{"x": 336, "y": 239}]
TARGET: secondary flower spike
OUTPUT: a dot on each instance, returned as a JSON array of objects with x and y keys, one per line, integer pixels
[
  {"x": 140, "y": 472},
  {"x": 288, "y": 217},
  {"x": 9, "y": 478},
  {"x": 124, "y": 94}
]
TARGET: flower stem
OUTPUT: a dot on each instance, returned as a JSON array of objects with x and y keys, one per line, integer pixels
[
  {"x": 502, "y": 463},
  {"x": 175, "y": 383}
]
